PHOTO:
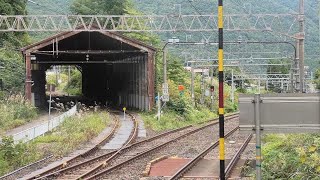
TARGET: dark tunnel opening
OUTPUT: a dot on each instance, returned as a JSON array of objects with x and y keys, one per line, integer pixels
[{"x": 115, "y": 69}]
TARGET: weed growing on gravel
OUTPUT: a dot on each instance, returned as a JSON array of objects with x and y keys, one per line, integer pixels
[
  {"x": 172, "y": 120},
  {"x": 73, "y": 132}
]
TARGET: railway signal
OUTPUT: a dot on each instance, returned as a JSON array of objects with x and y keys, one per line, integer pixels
[{"x": 181, "y": 89}]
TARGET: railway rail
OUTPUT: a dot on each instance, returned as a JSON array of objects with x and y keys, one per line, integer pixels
[
  {"x": 232, "y": 164},
  {"x": 14, "y": 174},
  {"x": 145, "y": 150},
  {"x": 73, "y": 160},
  {"x": 96, "y": 164},
  {"x": 84, "y": 155}
]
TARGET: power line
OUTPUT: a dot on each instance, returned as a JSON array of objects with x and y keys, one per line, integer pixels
[{"x": 198, "y": 11}]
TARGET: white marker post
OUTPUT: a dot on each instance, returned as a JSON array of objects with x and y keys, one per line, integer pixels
[
  {"x": 50, "y": 101},
  {"x": 124, "y": 113}
]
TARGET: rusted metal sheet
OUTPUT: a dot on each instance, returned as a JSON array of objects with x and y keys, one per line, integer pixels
[
  {"x": 167, "y": 167},
  {"x": 28, "y": 81}
]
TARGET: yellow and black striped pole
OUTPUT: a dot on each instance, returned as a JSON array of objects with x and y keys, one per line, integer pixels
[{"x": 221, "y": 100}]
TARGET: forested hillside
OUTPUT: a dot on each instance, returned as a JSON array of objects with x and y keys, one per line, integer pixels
[
  {"x": 245, "y": 7},
  {"x": 206, "y": 7},
  {"x": 11, "y": 63}
]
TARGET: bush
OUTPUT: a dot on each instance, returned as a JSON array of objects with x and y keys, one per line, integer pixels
[
  {"x": 13, "y": 155},
  {"x": 291, "y": 156},
  {"x": 15, "y": 110},
  {"x": 75, "y": 84}
]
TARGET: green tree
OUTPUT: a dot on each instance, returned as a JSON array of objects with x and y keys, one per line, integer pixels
[
  {"x": 10, "y": 57},
  {"x": 112, "y": 7}
]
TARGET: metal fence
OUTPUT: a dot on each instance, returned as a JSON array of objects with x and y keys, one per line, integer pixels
[
  {"x": 281, "y": 113},
  {"x": 32, "y": 133}
]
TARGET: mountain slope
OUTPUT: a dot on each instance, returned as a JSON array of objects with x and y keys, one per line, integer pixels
[{"x": 210, "y": 7}]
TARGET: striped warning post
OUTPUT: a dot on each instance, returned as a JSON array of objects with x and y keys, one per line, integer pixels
[{"x": 221, "y": 100}]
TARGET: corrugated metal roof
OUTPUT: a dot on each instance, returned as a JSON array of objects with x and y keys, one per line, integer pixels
[{"x": 64, "y": 35}]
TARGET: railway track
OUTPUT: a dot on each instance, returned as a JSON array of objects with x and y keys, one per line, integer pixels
[
  {"x": 232, "y": 164},
  {"x": 73, "y": 160},
  {"x": 87, "y": 153},
  {"x": 96, "y": 164},
  {"x": 14, "y": 174},
  {"x": 146, "y": 149}
]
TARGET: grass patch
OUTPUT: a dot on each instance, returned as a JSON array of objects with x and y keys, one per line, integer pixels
[
  {"x": 15, "y": 111},
  {"x": 293, "y": 156},
  {"x": 73, "y": 132},
  {"x": 172, "y": 119}
]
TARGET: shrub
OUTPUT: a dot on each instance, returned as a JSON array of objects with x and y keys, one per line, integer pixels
[
  {"x": 15, "y": 110},
  {"x": 291, "y": 156}
]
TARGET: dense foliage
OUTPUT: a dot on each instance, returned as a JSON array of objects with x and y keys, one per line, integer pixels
[
  {"x": 115, "y": 7},
  {"x": 15, "y": 111},
  {"x": 312, "y": 8},
  {"x": 295, "y": 156},
  {"x": 11, "y": 61},
  {"x": 75, "y": 85}
]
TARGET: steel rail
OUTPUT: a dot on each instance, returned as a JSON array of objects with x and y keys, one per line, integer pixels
[
  {"x": 82, "y": 155},
  {"x": 157, "y": 147},
  {"x": 110, "y": 153},
  {"x": 195, "y": 160},
  {"x": 56, "y": 173},
  {"x": 236, "y": 157},
  {"x": 133, "y": 136},
  {"x": 13, "y": 173}
]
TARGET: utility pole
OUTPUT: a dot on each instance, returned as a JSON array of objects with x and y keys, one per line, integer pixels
[
  {"x": 291, "y": 82},
  {"x": 50, "y": 101},
  {"x": 69, "y": 74},
  {"x": 301, "y": 43},
  {"x": 232, "y": 87},
  {"x": 159, "y": 106},
  {"x": 56, "y": 72},
  {"x": 259, "y": 84},
  {"x": 202, "y": 88},
  {"x": 192, "y": 83},
  {"x": 164, "y": 66},
  {"x": 212, "y": 91}
]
